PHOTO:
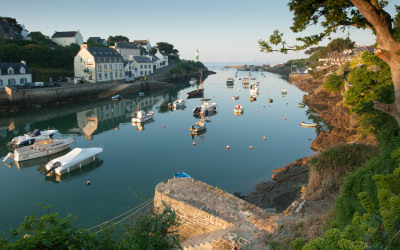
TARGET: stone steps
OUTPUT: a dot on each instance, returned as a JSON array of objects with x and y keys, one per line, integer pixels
[{"x": 204, "y": 240}]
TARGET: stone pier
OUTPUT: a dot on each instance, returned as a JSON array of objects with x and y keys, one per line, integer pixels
[{"x": 212, "y": 218}]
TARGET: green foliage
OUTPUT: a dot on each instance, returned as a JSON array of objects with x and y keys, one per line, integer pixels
[
  {"x": 187, "y": 67},
  {"x": 334, "y": 83},
  {"x": 167, "y": 48},
  {"x": 152, "y": 232},
  {"x": 343, "y": 158},
  {"x": 111, "y": 40},
  {"x": 298, "y": 244}
]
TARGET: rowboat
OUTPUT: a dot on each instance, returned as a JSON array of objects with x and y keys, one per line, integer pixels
[
  {"x": 308, "y": 124},
  {"x": 181, "y": 174}
]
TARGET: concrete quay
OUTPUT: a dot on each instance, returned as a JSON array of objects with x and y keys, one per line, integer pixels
[{"x": 212, "y": 218}]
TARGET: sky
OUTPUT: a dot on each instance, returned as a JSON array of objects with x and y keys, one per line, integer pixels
[{"x": 222, "y": 30}]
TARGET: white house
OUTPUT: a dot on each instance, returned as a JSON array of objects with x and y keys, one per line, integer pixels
[
  {"x": 98, "y": 64},
  {"x": 156, "y": 61},
  {"x": 66, "y": 38},
  {"x": 14, "y": 74},
  {"x": 126, "y": 50},
  {"x": 163, "y": 57},
  {"x": 143, "y": 43},
  {"x": 143, "y": 66}
]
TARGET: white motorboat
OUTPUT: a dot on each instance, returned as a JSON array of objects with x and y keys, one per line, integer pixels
[
  {"x": 308, "y": 124},
  {"x": 230, "y": 81},
  {"x": 75, "y": 159},
  {"x": 29, "y": 139},
  {"x": 178, "y": 103},
  {"x": 238, "y": 109},
  {"x": 205, "y": 108},
  {"x": 40, "y": 148},
  {"x": 246, "y": 80},
  {"x": 193, "y": 81},
  {"x": 283, "y": 91},
  {"x": 253, "y": 88},
  {"x": 141, "y": 116}
]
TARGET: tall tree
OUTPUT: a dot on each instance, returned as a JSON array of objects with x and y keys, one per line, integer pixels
[
  {"x": 339, "y": 14},
  {"x": 167, "y": 48},
  {"x": 114, "y": 39}
]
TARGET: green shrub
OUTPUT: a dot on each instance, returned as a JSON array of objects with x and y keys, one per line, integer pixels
[
  {"x": 298, "y": 244},
  {"x": 334, "y": 83}
]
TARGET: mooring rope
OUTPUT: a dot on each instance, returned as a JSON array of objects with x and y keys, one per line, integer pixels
[{"x": 144, "y": 204}]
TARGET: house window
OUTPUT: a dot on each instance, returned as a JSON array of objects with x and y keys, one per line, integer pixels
[
  {"x": 125, "y": 52},
  {"x": 11, "y": 81},
  {"x": 120, "y": 67},
  {"x": 10, "y": 71},
  {"x": 149, "y": 72},
  {"x": 99, "y": 76},
  {"x": 22, "y": 80},
  {"x": 99, "y": 68},
  {"x": 105, "y": 68},
  {"x": 105, "y": 76},
  {"x": 116, "y": 74},
  {"x": 115, "y": 67},
  {"x": 145, "y": 66},
  {"x": 120, "y": 74},
  {"x": 130, "y": 52},
  {"x": 125, "y": 57},
  {"x": 141, "y": 66},
  {"x": 22, "y": 70},
  {"x": 141, "y": 72},
  {"x": 135, "y": 52},
  {"x": 1, "y": 82},
  {"x": 110, "y": 68}
]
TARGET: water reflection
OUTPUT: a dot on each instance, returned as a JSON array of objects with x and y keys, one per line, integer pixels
[{"x": 140, "y": 125}]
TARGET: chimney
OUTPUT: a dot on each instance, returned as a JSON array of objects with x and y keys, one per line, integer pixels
[
  {"x": 23, "y": 62},
  {"x": 83, "y": 45}
]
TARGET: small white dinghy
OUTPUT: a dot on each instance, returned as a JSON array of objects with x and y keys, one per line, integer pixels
[
  {"x": 75, "y": 159},
  {"x": 308, "y": 124},
  {"x": 178, "y": 103}
]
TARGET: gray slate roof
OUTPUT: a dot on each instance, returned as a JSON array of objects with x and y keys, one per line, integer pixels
[
  {"x": 16, "y": 66},
  {"x": 103, "y": 52},
  {"x": 65, "y": 34},
  {"x": 122, "y": 45},
  {"x": 142, "y": 59}
]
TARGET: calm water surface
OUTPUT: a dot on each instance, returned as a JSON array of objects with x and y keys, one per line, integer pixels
[{"x": 136, "y": 159}]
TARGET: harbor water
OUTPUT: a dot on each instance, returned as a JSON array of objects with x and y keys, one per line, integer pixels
[{"x": 136, "y": 158}]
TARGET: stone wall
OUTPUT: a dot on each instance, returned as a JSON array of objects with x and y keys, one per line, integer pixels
[
  {"x": 194, "y": 221},
  {"x": 297, "y": 77},
  {"x": 48, "y": 94}
]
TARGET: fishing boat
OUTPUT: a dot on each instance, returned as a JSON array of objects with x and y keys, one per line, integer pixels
[
  {"x": 238, "y": 109},
  {"x": 116, "y": 97},
  {"x": 205, "y": 108},
  {"x": 230, "y": 81},
  {"x": 270, "y": 100},
  {"x": 29, "y": 139},
  {"x": 198, "y": 126},
  {"x": 308, "y": 124},
  {"x": 178, "y": 103},
  {"x": 75, "y": 159},
  {"x": 40, "y": 148},
  {"x": 198, "y": 92},
  {"x": 253, "y": 89},
  {"x": 193, "y": 81},
  {"x": 142, "y": 116},
  {"x": 182, "y": 174},
  {"x": 253, "y": 98},
  {"x": 235, "y": 97},
  {"x": 283, "y": 91},
  {"x": 246, "y": 80}
]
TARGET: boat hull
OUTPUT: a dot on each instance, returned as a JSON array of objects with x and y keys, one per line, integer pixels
[{"x": 34, "y": 152}]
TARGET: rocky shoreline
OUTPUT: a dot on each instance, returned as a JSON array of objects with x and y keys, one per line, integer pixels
[{"x": 288, "y": 180}]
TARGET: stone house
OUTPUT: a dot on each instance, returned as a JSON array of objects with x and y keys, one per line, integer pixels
[
  {"x": 143, "y": 66},
  {"x": 126, "y": 50},
  {"x": 98, "y": 64},
  {"x": 12, "y": 73},
  {"x": 143, "y": 43},
  {"x": 66, "y": 38},
  {"x": 163, "y": 57}
]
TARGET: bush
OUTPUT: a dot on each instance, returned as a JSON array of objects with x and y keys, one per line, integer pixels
[{"x": 334, "y": 83}]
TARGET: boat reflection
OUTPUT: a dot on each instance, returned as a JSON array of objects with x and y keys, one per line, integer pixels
[
  {"x": 140, "y": 125},
  {"x": 81, "y": 172}
]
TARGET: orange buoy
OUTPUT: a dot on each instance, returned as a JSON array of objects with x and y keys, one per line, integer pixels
[
  {"x": 227, "y": 147},
  {"x": 265, "y": 138},
  {"x": 284, "y": 118},
  {"x": 194, "y": 143},
  {"x": 269, "y": 106},
  {"x": 88, "y": 183},
  {"x": 257, "y": 110},
  {"x": 163, "y": 126},
  {"x": 264, "y": 106},
  {"x": 251, "y": 147}
]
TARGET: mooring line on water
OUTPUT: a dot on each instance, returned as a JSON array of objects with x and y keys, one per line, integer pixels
[
  {"x": 143, "y": 204},
  {"x": 116, "y": 223}
]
